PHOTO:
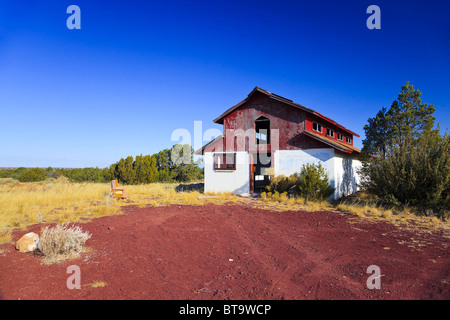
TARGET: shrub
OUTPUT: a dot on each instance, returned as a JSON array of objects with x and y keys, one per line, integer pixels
[
  {"x": 282, "y": 184},
  {"x": 32, "y": 175},
  {"x": 62, "y": 241},
  {"x": 311, "y": 184},
  {"x": 414, "y": 172}
]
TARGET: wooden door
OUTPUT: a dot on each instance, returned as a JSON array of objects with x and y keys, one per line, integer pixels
[{"x": 252, "y": 174}]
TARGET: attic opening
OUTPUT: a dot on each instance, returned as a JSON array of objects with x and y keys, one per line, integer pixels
[{"x": 262, "y": 130}]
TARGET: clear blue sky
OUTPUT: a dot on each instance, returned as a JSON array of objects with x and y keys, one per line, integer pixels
[{"x": 138, "y": 70}]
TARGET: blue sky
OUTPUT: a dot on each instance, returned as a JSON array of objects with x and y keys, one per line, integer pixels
[{"x": 138, "y": 70}]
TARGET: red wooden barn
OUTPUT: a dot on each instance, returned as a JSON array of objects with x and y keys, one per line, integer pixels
[{"x": 266, "y": 135}]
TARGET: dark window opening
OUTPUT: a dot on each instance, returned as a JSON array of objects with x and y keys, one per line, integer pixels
[
  {"x": 262, "y": 130},
  {"x": 225, "y": 161},
  {"x": 317, "y": 127},
  {"x": 349, "y": 140},
  {"x": 339, "y": 136},
  {"x": 330, "y": 133}
]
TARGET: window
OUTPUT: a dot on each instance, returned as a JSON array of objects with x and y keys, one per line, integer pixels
[
  {"x": 339, "y": 136},
  {"x": 317, "y": 127},
  {"x": 348, "y": 140},
  {"x": 262, "y": 130},
  {"x": 330, "y": 133},
  {"x": 225, "y": 161}
]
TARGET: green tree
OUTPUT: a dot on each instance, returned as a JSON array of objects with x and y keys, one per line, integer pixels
[
  {"x": 139, "y": 169},
  {"x": 377, "y": 135},
  {"x": 128, "y": 176},
  {"x": 184, "y": 169},
  {"x": 152, "y": 170},
  {"x": 119, "y": 171},
  {"x": 18, "y": 172},
  {"x": 6, "y": 173},
  {"x": 414, "y": 172},
  {"x": 145, "y": 168},
  {"x": 411, "y": 165},
  {"x": 407, "y": 117},
  {"x": 164, "y": 165}
]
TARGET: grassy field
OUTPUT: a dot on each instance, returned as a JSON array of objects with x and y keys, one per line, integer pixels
[{"x": 24, "y": 204}]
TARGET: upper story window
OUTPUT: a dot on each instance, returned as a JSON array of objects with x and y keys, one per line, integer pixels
[
  {"x": 348, "y": 139},
  {"x": 330, "y": 133},
  {"x": 317, "y": 127},
  {"x": 262, "y": 130},
  {"x": 339, "y": 136}
]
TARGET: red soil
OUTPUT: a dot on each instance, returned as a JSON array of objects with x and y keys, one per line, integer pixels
[{"x": 236, "y": 252}]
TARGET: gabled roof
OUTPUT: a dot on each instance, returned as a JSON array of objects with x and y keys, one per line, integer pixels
[
  {"x": 202, "y": 149},
  {"x": 333, "y": 143},
  {"x": 291, "y": 103}
]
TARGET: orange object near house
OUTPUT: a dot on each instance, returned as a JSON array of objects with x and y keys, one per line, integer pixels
[{"x": 119, "y": 193}]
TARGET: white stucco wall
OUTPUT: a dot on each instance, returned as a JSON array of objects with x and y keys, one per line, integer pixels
[
  {"x": 341, "y": 170},
  {"x": 287, "y": 162},
  {"x": 236, "y": 181},
  {"x": 346, "y": 175}
]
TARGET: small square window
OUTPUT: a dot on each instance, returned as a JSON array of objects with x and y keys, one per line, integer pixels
[
  {"x": 339, "y": 136},
  {"x": 330, "y": 133},
  {"x": 348, "y": 140},
  {"x": 225, "y": 161},
  {"x": 317, "y": 127}
]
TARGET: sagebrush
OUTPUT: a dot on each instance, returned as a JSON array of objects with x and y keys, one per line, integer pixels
[{"x": 62, "y": 241}]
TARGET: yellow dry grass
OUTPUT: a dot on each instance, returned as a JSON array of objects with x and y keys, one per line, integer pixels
[
  {"x": 24, "y": 204},
  {"x": 98, "y": 284},
  {"x": 402, "y": 217},
  {"x": 162, "y": 194}
]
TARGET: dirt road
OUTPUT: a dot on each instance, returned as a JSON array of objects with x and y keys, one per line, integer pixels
[{"x": 236, "y": 252}]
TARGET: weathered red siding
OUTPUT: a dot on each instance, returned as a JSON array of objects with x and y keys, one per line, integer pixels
[{"x": 289, "y": 121}]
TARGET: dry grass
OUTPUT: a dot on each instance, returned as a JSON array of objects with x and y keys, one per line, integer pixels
[
  {"x": 62, "y": 242},
  {"x": 281, "y": 202},
  {"x": 98, "y": 284},
  {"x": 5, "y": 237},
  {"x": 23, "y": 204},
  {"x": 162, "y": 194},
  {"x": 401, "y": 217}
]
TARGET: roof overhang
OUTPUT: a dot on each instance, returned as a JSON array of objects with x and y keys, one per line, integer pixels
[
  {"x": 291, "y": 103},
  {"x": 333, "y": 143}
]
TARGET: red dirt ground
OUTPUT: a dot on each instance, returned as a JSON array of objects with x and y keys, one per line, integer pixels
[{"x": 236, "y": 252}]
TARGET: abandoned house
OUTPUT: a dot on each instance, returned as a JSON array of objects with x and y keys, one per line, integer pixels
[{"x": 267, "y": 135}]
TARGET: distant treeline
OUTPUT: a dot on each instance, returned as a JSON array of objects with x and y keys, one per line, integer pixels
[{"x": 169, "y": 165}]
